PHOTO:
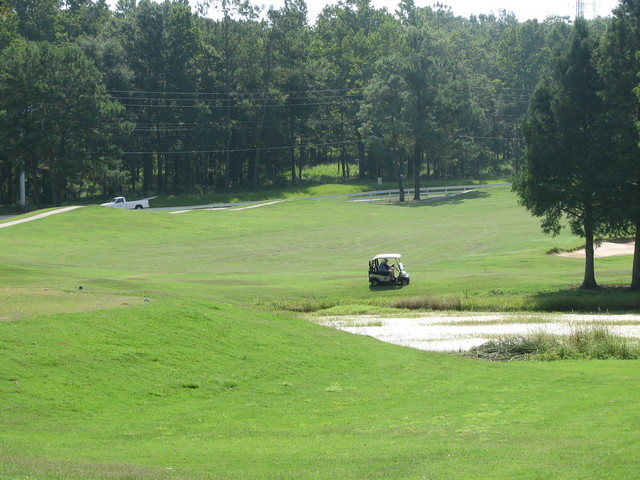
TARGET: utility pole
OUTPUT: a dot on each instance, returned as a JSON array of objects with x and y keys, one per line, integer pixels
[
  {"x": 23, "y": 196},
  {"x": 579, "y": 9}
]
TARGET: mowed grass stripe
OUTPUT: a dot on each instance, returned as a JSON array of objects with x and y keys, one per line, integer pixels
[{"x": 467, "y": 245}]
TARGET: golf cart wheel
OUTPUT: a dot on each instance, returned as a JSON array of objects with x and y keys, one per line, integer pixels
[
  {"x": 404, "y": 281},
  {"x": 374, "y": 282}
]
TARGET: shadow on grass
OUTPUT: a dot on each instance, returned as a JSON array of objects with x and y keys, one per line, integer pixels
[
  {"x": 605, "y": 299},
  {"x": 453, "y": 199},
  {"x": 383, "y": 287}
]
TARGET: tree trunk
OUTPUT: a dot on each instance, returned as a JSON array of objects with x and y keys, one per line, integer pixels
[
  {"x": 292, "y": 150},
  {"x": 53, "y": 182},
  {"x": 635, "y": 272},
  {"x": 401, "y": 195},
  {"x": 263, "y": 113},
  {"x": 589, "y": 266},
  {"x": 227, "y": 147},
  {"x": 147, "y": 173},
  {"x": 162, "y": 171},
  {"x": 34, "y": 184},
  {"x": 417, "y": 167},
  {"x": 396, "y": 161},
  {"x": 362, "y": 167},
  {"x": 256, "y": 160}
]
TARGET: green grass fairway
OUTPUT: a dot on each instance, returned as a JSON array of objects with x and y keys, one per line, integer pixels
[{"x": 176, "y": 359}]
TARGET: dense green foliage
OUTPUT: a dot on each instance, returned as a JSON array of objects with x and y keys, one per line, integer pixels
[
  {"x": 207, "y": 380},
  {"x": 231, "y": 97},
  {"x": 618, "y": 64},
  {"x": 582, "y": 143},
  {"x": 57, "y": 121},
  {"x": 567, "y": 163}
]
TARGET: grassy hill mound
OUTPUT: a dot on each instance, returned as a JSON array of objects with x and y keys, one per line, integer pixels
[{"x": 198, "y": 389}]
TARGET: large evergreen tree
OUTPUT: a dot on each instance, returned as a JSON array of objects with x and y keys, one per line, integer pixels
[
  {"x": 384, "y": 114},
  {"x": 619, "y": 67},
  {"x": 566, "y": 157}
]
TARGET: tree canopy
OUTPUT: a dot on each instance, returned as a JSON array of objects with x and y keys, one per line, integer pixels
[
  {"x": 57, "y": 121},
  {"x": 231, "y": 97}
]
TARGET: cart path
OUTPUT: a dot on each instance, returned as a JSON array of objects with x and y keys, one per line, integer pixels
[
  {"x": 229, "y": 207},
  {"x": 37, "y": 217}
]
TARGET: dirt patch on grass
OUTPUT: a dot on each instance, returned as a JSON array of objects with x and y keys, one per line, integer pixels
[
  {"x": 25, "y": 467},
  {"x": 18, "y": 303}
]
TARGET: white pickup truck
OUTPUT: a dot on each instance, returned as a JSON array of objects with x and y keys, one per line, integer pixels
[{"x": 121, "y": 202}]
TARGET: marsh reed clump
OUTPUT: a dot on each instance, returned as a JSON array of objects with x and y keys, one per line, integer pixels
[
  {"x": 428, "y": 303},
  {"x": 583, "y": 342}
]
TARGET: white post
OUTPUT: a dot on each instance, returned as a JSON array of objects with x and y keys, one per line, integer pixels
[{"x": 23, "y": 196}]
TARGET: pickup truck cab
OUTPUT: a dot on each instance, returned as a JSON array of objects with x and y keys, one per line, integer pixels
[{"x": 121, "y": 202}]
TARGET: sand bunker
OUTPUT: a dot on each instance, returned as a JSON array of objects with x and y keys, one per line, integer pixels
[
  {"x": 442, "y": 332},
  {"x": 605, "y": 249}
]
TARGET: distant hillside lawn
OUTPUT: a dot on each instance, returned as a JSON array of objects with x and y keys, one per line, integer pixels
[{"x": 184, "y": 356}]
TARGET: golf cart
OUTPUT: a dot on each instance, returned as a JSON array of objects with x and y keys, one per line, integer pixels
[{"x": 383, "y": 272}]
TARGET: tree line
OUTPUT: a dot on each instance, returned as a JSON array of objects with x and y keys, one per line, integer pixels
[{"x": 157, "y": 97}]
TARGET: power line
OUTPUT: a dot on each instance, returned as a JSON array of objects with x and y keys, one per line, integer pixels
[
  {"x": 304, "y": 144},
  {"x": 278, "y": 105},
  {"x": 237, "y": 150},
  {"x": 228, "y": 94},
  {"x": 472, "y": 137},
  {"x": 258, "y": 102}
]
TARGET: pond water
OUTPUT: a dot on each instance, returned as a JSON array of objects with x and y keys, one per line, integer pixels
[{"x": 440, "y": 332}]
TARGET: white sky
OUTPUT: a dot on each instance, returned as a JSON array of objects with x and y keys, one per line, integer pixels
[{"x": 523, "y": 9}]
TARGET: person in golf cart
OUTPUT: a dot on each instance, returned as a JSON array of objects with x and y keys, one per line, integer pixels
[
  {"x": 384, "y": 268},
  {"x": 381, "y": 272}
]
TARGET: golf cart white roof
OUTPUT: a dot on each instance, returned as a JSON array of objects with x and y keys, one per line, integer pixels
[{"x": 387, "y": 255}]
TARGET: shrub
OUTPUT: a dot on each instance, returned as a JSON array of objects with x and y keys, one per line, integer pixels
[
  {"x": 301, "y": 305},
  {"x": 590, "y": 342},
  {"x": 599, "y": 342},
  {"x": 506, "y": 349},
  {"x": 428, "y": 303}
]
